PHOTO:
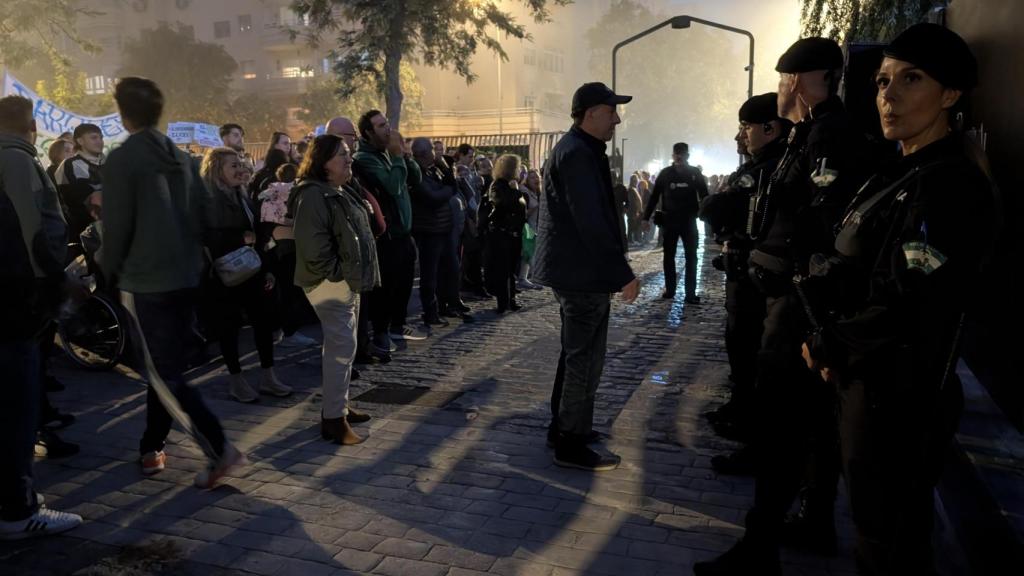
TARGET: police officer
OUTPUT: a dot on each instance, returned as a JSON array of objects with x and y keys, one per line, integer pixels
[
  {"x": 762, "y": 137},
  {"x": 680, "y": 188},
  {"x": 818, "y": 174},
  {"x": 892, "y": 299}
]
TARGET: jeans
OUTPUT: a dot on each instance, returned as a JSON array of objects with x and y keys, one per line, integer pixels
[
  {"x": 160, "y": 331},
  {"x": 396, "y": 257},
  {"x": 431, "y": 248},
  {"x": 19, "y": 420},
  {"x": 671, "y": 237},
  {"x": 338, "y": 309},
  {"x": 584, "y": 340}
]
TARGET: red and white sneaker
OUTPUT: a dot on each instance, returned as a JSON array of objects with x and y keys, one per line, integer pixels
[
  {"x": 230, "y": 461},
  {"x": 153, "y": 462}
]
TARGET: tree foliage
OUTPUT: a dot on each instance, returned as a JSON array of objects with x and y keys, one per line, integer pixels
[
  {"x": 259, "y": 116},
  {"x": 861, "y": 20},
  {"x": 66, "y": 87},
  {"x": 683, "y": 84},
  {"x": 325, "y": 99},
  {"x": 30, "y": 29},
  {"x": 194, "y": 76},
  {"x": 373, "y": 37}
]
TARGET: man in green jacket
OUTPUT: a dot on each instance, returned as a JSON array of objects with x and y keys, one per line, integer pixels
[
  {"x": 385, "y": 166},
  {"x": 153, "y": 253}
]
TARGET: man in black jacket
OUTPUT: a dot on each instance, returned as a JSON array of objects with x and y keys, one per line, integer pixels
[
  {"x": 581, "y": 255},
  {"x": 32, "y": 253},
  {"x": 680, "y": 188}
]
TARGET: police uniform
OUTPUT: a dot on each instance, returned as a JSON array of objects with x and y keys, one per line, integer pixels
[
  {"x": 680, "y": 189},
  {"x": 891, "y": 300},
  {"x": 728, "y": 213},
  {"x": 823, "y": 165}
]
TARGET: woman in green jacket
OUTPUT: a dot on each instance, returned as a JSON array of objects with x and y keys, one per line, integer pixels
[{"x": 336, "y": 259}]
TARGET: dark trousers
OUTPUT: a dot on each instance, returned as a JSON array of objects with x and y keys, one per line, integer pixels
[
  {"x": 229, "y": 303},
  {"x": 584, "y": 341},
  {"x": 160, "y": 323},
  {"x": 293, "y": 306},
  {"x": 363, "y": 325},
  {"x": 744, "y": 305},
  {"x": 396, "y": 257},
  {"x": 19, "y": 420},
  {"x": 450, "y": 275},
  {"x": 435, "y": 262},
  {"x": 894, "y": 440},
  {"x": 45, "y": 350},
  {"x": 688, "y": 232},
  {"x": 472, "y": 264},
  {"x": 502, "y": 255},
  {"x": 796, "y": 434}
]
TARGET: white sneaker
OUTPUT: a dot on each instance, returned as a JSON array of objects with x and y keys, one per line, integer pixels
[
  {"x": 297, "y": 340},
  {"x": 407, "y": 333},
  {"x": 44, "y": 521},
  {"x": 229, "y": 461},
  {"x": 269, "y": 384},
  {"x": 241, "y": 390}
]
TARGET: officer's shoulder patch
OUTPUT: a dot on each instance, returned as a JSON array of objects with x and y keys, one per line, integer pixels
[
  {"x": 922, "y": 257},
  {"x": 746, "y": 181}
]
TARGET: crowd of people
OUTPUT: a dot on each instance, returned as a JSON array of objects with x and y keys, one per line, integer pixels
[{"x": 845, "y": 268}]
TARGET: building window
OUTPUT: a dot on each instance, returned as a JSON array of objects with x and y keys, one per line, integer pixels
[
  {"x": 222, "y": 29},
  {"x": 96, "y": 85},
  {"x": 530, "y": 57},
  {"x": 288, "y": 17},
  {"x": 529, "y": 101},
  {"x": 187, "y": 30},
  {"x": 552, "y": 61},
  {"x": 248, "y": 68},
  {"x": 296, "y": 72},
  {"x": 244, "y": 23}
]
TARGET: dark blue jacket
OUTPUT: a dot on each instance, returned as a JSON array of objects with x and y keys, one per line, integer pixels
[{"x": 580, "y": 244}]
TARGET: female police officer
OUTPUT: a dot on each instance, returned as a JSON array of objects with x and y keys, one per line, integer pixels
[{"x": 890, "y": 301}]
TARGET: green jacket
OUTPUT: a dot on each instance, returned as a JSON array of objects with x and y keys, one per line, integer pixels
[
  {"x": 380, "y": 172},
  {"x": 152, "y": 198},
  {"x": 333, "y": 239}
]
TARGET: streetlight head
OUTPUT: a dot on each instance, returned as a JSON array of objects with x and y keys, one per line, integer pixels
[{"x": 680, "y": 22}]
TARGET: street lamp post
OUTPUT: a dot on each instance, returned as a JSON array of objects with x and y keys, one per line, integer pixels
[
  {"x": 681, "y": 22},
  {"x": 623, "y": 153}
]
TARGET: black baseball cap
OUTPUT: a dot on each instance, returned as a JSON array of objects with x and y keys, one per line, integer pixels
[
  {"x": 809, "y": 54},
  {"x": 594, "y": 94}
]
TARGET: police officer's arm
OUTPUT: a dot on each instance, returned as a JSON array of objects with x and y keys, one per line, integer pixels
[
  {"x": 583, "y": 196},
  {"x": 838, "y": 167},
  {"x": 934, "y": 262}
]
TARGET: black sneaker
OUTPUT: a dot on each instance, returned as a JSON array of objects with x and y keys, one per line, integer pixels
[
  {"x": 692, "y": 300},
  {"x": 575, "y": 455},
  {"x": 743, "y": 559},
  {"x": 593, "y": 438},
  {"x": 53, "y": 447},
  {"x": 668, "y": 295},
  {"x": 52, "y": 384},
  {"x": 739, "y": 463},
  {"x": 54, "y": 420},
  {"x": 438, "y": 321}
]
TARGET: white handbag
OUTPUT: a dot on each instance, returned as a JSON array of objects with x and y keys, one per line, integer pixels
[{"x": 240, "y": 264}]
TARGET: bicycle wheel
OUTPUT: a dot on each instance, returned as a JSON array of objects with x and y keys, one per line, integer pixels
[{"x": 94, "y": 337}]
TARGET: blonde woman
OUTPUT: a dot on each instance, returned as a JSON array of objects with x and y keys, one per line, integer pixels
[
  {"x": 229, "y": 224},
  {"x": 504, "y": 237}
]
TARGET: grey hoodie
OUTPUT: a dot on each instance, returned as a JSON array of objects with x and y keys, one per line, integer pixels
[{"x": 152, "y": 197}]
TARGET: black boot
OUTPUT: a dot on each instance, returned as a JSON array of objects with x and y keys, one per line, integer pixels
[
  {"x": 746, "y": 558},
  {"x": 813, "y": 527},
  {"x": 571, "y": 452}
]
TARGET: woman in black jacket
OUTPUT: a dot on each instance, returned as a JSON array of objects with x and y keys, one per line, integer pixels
[
  {"x": 267, "y": 174},
  {"x": 891, "y": 299},
  {"x": 504, "y": 232},
  {"x": 230, "y": 221}
]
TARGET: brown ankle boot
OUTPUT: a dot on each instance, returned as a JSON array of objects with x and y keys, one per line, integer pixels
[{"x": 337, "y": 430}]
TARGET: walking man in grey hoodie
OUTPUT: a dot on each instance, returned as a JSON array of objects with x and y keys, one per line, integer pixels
[{"x": 152, "y": 253}]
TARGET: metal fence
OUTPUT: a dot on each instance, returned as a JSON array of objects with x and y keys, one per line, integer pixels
[{"x": 532, "y": 147}]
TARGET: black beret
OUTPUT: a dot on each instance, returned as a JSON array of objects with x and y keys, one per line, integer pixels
[
  {"x": 940, "y": 52},
  {"x": 808, "y": 54},
  {"x": 680, "y": 148},
  {"x": 760, "y": 109}
]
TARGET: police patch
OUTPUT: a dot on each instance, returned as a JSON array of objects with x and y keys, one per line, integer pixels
[
  {"x": 921, "y": 256},
  {"x": 746, "y": 181},
  {"x": 824, "y": 177}
]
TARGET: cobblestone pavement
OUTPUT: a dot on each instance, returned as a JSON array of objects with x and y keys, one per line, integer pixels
[{"x": 464, "y": 489}]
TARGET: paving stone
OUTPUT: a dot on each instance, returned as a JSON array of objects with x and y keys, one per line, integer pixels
[{"x": 402, "y": 548}]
